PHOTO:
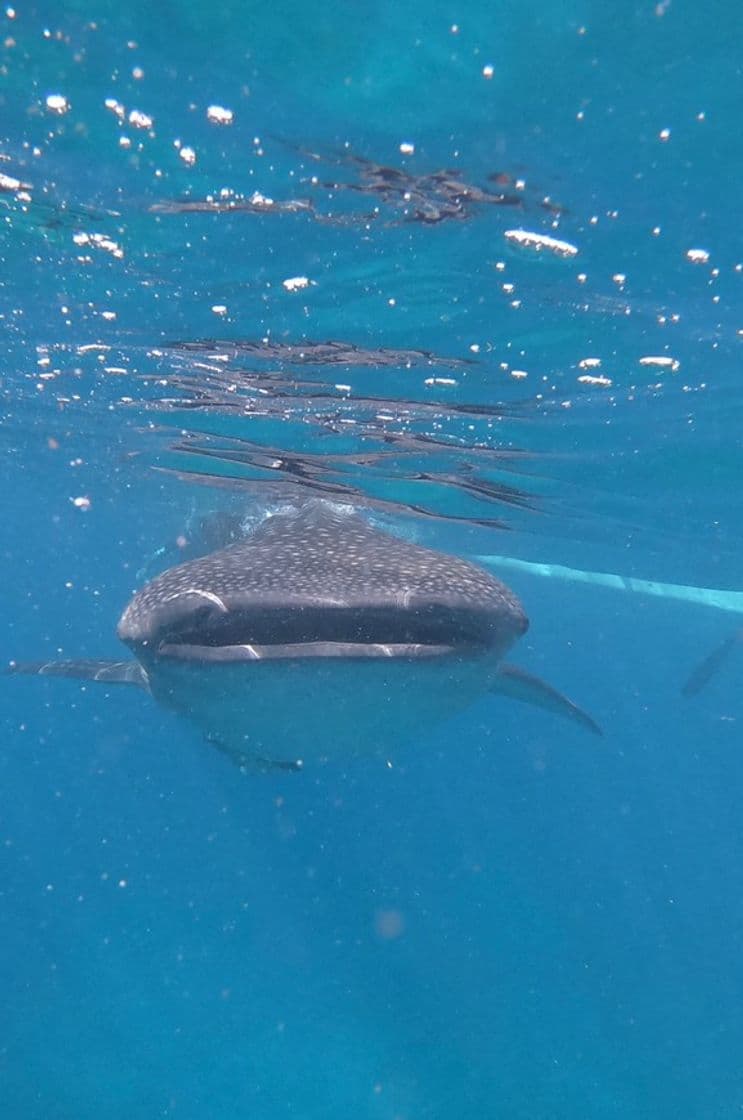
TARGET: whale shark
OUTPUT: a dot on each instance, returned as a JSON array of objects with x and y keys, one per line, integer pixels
[{"x": 319, "y": 635}]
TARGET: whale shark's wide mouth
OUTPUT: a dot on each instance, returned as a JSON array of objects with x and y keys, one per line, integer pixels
[
  {"x": 298, "y": 650},
  {"x": 200, "y": 629}
]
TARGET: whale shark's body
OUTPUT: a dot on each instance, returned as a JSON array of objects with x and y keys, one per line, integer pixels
[{"x": 319, "y": 635}]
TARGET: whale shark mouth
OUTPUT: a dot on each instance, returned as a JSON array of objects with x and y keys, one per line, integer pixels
[
  {"x": 195, "y": 628},
  {"x": 293, "y": 651}
]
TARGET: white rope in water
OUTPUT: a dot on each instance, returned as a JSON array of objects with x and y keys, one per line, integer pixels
[{"x": 706, "y": 596}]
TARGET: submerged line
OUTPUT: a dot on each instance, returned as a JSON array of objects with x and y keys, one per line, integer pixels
[{"x": 705, "y": 596}]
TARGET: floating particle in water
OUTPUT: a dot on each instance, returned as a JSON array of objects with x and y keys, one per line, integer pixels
[
  {"x": 57, "y": 103},
  {"x": 138, "y": 119},
  {"x": 98, "y": 241},
  {"x": 590, "y": 363},
  {"x": 115, "y": 107},
  {"x": 661, "y": 362},
  {"x": 97, "y": 348},
  {"x": 407, "y": 149},
  {"x": 389, "y": 924},
  {"x": 82, "y": 502},
  {"x": 296, "y": 283},
  {"x": 217, "y": 114},
  {"x": 697, "y": 256},
  {"x": 261, "y": 200},
  {"x": 8, "y": 183},
  {"x": 599, "y": 381},
  {"x": 488, "y": 71},
  {"x": 540, "y": 242},
  {"x": 188, "y": 155}
]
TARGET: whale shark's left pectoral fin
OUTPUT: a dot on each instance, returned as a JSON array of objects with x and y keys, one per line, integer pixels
[
  {"x": 520, "y": 685},
  {"x": 107, "y": 672}
]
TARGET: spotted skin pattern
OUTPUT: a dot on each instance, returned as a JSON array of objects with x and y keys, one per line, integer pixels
[{"x": 331, "y": 569}]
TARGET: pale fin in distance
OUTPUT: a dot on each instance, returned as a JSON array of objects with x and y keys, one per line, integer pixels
[
  {"x": 106, "y": 672},
  {"x": 520, "y": 685},
  {"x": 703, "y": 673}
]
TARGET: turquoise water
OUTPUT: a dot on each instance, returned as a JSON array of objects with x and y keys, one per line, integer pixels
[{"x": 512, "y": 921}]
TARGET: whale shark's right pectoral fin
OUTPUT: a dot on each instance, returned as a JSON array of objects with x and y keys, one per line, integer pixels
[
  {"x": 707, "y": 668},
  {"x": 520, "y": 685},
  {"x": 107, "y": 672}
]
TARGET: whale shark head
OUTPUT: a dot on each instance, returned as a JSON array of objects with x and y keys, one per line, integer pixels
[{"x": 320, "y": 582}]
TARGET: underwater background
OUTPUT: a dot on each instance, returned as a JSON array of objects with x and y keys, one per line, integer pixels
[{"x": 514, "y": 919}]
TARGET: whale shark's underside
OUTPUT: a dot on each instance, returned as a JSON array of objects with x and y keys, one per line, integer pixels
[{"x": 316, "y": 636}]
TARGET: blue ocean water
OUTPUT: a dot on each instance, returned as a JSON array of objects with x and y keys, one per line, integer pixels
[{"x": 514, "y": 920}]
